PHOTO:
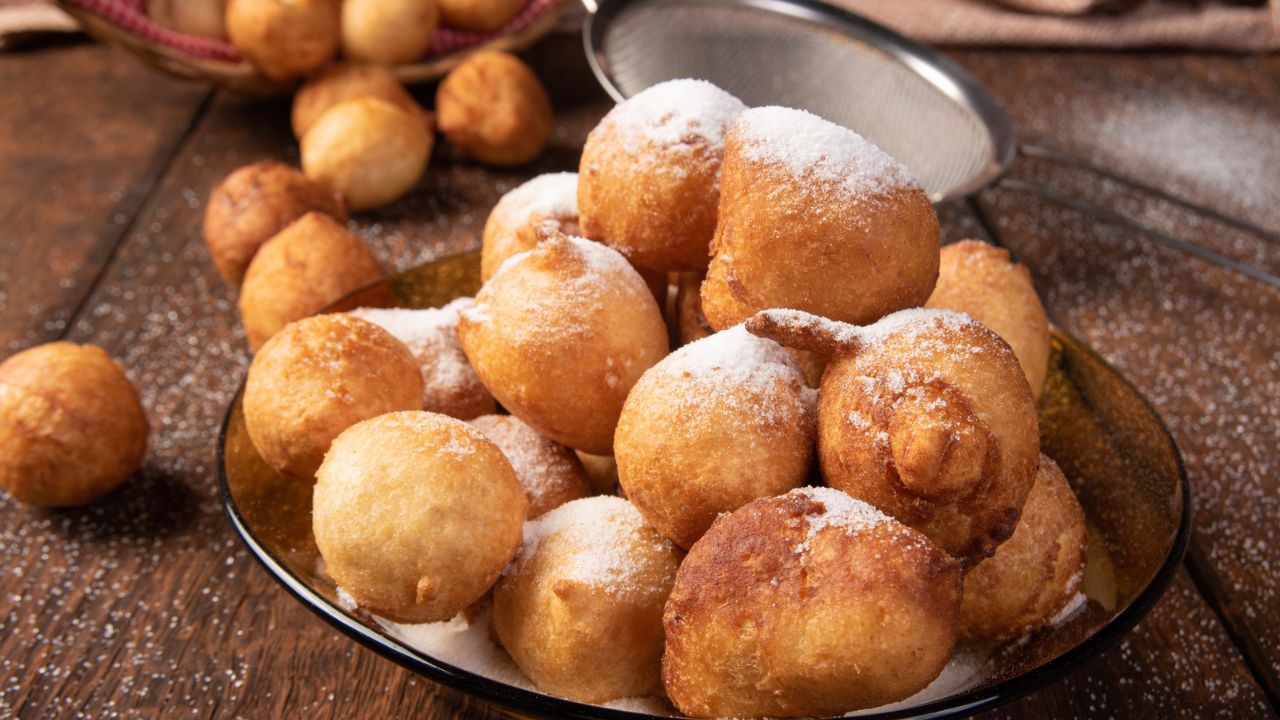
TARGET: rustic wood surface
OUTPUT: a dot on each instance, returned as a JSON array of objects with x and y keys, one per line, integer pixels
[{"x": 146, "y": 605}]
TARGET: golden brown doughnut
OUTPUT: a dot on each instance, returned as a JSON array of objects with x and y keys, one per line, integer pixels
[
  {"x": 206, "y": 18},
  {"x": 982, "y": 281},
  {"x": 483, "y": 16},
  {"x": 312, "y": 263},
  {"x": 860, "y": 236},
  {"x": 926, "y": 415},
  {"x": 449, "y": 384},
  {"x": 493, "y": 108},
  {"x": 416, "y": 514},
  {"x": 810, "y": 603},
  {"x": 72, "y": 428},
  {"x": 388, "y": 32},
  {"x": 560, "y": 334},
  {"x": 350, "y": 81},
  {"x": 1035, "y": 574},
  {"x": 650, "y": 174},
  {"x": 371, "y": 151},
  {"x": 317, "y": 377},
  {"x": 545, "y": 202},
  {"x": 549, "y": 472},
  {"x": 580, "y": 609},
  {"x": 713, "y": 426},
  {"x": 254, "y": 203},
  {"x": 284, "y": 39}
]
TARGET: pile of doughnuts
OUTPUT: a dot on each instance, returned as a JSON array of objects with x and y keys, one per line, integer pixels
[
  {"x": 280, "y": 235},
  {"x": 831, "y": 481},
  {"x": 287, "y": 39}
]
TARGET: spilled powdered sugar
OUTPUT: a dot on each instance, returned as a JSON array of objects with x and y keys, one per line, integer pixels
[
  {"x": 1068, "y": 611},
  {"x": 432, "y": 338},
  {"x": 840, "y": 510},
  {"x": 812, "y": 148},
  {"x": 603, "y": 530},
  {"x": 675, "y": 114},
  {"x": 554, "y": 195}
]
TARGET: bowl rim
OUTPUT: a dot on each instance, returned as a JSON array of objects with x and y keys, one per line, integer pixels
[{"x": 529, "y": 701}]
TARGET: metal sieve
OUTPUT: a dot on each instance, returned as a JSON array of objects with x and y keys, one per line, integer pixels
[{"x": 910, "y": 100}]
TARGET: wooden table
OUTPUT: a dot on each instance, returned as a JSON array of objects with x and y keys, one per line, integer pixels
[{"x": 146, "y": 604}]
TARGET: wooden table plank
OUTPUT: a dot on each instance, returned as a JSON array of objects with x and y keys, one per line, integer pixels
[
  {"x": 146, "y": 604},
  {"x": 87, "y": 132},
  {"x": 1202, "y": 343}
]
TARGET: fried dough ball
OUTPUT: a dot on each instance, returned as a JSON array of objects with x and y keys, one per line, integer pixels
[
  {"x": 580, "y": 610},
  {"x": 982, "y": 281},
  {"x": 484, "y": 16},
  {"x": 861, "y": 237},
  {"x": 317, "y": 377},
  {"x": 560, "y": 334},
  {"x": 546, "y": 202},
  {"x": 690, "y": 320},
  {"x": 1036, "y": 573},
  {"x": 715, "y": 425},
  {"x": 350, "y": 81},
  {"x": 284, "y": 39},
  {"x": 602, "y": 472},
  {"x": 449, "y": 384},
  {"x": 371, "y": 151},
  {"x": 810, "y": 603},
  {"x": 309, "y": 265},
  {"x": 388, "y": 32},
  {"x": 254, "y": 203},
  {"x": 549, "y": 472},
  {"x": 416, "y": 514},
  {"x": 926, "y": 415},
  {"x": 206, "y": 18},
  {"x": 493, "y": 108},
  {"x": 650, "y": 174},
  {"x": 72, "y": 428}
]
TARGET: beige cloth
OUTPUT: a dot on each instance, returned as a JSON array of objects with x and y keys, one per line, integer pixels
[
  {"x": 25, "y": 20},
  {"x": 1155, "y": 23}
]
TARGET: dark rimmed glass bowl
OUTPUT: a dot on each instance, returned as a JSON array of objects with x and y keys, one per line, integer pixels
[{"x": 1113, "y": 448}]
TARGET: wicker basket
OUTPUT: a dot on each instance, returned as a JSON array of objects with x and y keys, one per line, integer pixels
[{"x": 243, "y": 77}]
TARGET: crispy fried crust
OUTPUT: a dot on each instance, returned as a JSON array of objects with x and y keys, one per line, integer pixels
[
  {"x": 849, "y": 262},
  {"x": 416, "y": 514},
  {"x": 72, "y": 428},
  {"x": 982, "y": 281},
  {"x": 316, "y": 378},
  {"x": 765, "y": 622},
  {"x": 312, "y": 263},
  {"x": 284, "y": 39},
  {"x": 1036, "y": 572},
  {"x": 493, "y": 108},
  {"x": 937, "y": 429},
  {"x": 254, "y": 203}
]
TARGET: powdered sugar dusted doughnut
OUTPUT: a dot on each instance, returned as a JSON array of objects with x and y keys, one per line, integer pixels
[
  {"x": 550, "y": 473},
  {"x": 559, "y": 335},
  {"x": 650, "y": 174},
  {"x": 716, "y": 424},
  {"x": 416, "y": 514},
  {"x": 926, "y": 415},
  {"x": 814, "y": 217},
  {"x": 449, "y": 385},
  {"x": 546, "y": 201},
  {"x": 807, "y": 604},
  {"x": 580, "y": 608}
]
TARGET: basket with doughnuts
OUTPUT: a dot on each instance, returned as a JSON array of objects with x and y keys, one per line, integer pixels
[
  {"x": 722, "y": 432},
  {"x": 267, "y": 46}
]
